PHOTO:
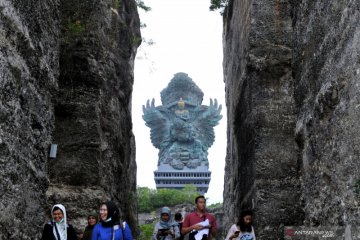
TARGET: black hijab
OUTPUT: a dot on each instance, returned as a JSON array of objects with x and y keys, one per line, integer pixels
[{"x": 113, "y": 217}]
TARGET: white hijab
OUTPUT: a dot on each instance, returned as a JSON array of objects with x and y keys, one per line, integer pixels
[{"x": 61, "y": 226}]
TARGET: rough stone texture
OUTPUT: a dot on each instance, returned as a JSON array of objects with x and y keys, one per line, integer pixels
[
  {"x": 66, "y": 75},
  {"x": 327, "y": 73},
  {"x": 261, "y": 163},
  {"x": 291, "y": 71},
  {"x": 93, "y": 109},
  {"x": 28, "y": 78}
]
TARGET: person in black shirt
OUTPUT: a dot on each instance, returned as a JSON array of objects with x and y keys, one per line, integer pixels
[{"x": 179, "y": 219}]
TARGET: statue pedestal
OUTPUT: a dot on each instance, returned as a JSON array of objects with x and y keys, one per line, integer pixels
[{"x": 167, "y": 177}]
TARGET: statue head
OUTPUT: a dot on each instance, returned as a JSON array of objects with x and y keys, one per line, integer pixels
[{"x": 181, "y": 86}]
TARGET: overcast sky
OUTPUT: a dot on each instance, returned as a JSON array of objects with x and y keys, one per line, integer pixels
[{"x": 188, "y": 38}]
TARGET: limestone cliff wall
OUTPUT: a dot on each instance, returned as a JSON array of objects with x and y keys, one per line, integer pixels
[
  {"x": 66, "y": 72},
  {"x": 327, "y": 94},
  {"x": 291, "y": 72},
  {"x": 29, "y": 71},
  {"x": 93, "y": 107},
  {"x": 261, "y": 163}
]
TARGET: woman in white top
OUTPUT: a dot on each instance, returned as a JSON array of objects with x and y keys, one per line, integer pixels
[{"x": 243, "y": 229}]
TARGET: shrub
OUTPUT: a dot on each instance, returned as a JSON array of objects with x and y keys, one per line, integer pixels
[
  {"x": 151, "y": 199},
  {"x": 146, "y": 231}
]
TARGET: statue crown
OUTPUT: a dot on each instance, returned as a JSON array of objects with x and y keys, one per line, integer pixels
[{"x": 181, "y": 87}]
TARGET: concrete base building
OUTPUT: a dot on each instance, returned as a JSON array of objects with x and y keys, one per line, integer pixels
[{"x": 167, "y": 177}]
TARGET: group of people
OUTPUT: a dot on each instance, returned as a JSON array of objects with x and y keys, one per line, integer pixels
[
  {"x": 108, "y": 228},
  {"x": 198, "y": 225}
]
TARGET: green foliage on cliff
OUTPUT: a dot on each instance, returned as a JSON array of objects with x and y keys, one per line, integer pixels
[
  {"x": 75, "y": 27},
  {"x": 142, "y": 5},
  {"x": 151, "y": 199},
  {"x": 218, "y": 4},
  {"x": 116, "y": 4}
]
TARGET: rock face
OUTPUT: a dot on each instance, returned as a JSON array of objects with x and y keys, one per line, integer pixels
[
  {"x": 327, "y": 73},
  {"x": 28, "y": 80},
  {"x": 93, "y": 107},
  {"x": 291, "y": 71},
  {"x": 261, "y": 164},
  {"x": 66, "y": 77}
]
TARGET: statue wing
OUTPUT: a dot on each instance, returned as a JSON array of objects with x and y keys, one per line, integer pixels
[
  {"x": 207, "y": 118},
  {"x": 156, "y": 120}
]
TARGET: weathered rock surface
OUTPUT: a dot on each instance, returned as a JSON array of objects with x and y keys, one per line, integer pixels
[
  {"x": 66, "y": 72},
  {"x": 327, "y": 93},
  {"x": 28, "y": 79},
  {"x": 261, "y": 165},
  {"x": 291, "y": 71},
  {"x": 93, "y": 107}
]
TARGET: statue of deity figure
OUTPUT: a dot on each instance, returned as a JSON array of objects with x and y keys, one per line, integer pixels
[{"x": 181, "y": 128}]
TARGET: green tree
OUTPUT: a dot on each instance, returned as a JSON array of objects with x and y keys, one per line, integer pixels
[
  {"x": 144, "y": 196},
  {"x": 150, "y": 199},
  {"x": 190, "y": 192},
  {"x": 215, "y": 205}
]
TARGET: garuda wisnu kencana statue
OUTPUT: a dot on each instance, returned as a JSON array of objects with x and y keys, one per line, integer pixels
[{"x": 181, "y": 128}]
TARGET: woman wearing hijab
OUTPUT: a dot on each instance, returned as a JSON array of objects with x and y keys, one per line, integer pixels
[
  {"x": 92, "y": 220},
  {"x": 166, "y": 228},
  {"x": 57, "y": 228},
  {"x": 109, "y": 227}
]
